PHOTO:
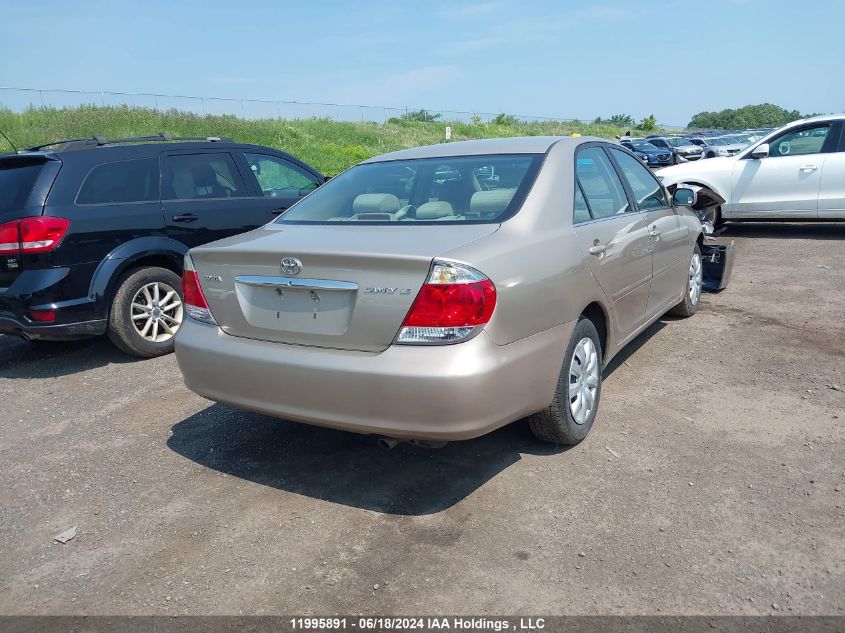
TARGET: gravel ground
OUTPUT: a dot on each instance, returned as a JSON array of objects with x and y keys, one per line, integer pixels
[{"x": 713, "y": 481}]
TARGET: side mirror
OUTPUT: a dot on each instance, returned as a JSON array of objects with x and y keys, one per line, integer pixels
[
  {"x": 761, "y": 151},
  {"x": 684, "y": 197}
]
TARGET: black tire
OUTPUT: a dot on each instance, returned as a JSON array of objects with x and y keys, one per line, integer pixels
[
  {"x": 122, "y": 330},
  {"x": 556, "y": 424},
  {"x": 687, "y": 307}
]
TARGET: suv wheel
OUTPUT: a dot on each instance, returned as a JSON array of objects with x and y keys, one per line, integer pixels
[
  {"x": 692, "y": 287},
  {"x": 146, "y": 312},
  {"x": 570, "y": 416}
]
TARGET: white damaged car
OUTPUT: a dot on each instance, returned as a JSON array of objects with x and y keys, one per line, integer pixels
[{"x": 794, "y": 173}]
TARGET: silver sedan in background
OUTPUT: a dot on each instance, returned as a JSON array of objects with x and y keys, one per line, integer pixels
[{"x": 440, "y": 292}]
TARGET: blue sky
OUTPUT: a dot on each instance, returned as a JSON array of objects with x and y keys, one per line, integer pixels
[{"x": 568, "y": 59}]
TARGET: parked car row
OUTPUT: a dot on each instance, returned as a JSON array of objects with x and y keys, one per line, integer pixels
[
  {"x": 662, "y": 150},
  {"x": 406, "y": 286}
]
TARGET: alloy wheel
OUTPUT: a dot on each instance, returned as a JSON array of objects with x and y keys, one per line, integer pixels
[{"x": 157, "y": 312}]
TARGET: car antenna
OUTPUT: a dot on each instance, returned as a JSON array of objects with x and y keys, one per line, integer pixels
[{"x": 9, "y": 141}]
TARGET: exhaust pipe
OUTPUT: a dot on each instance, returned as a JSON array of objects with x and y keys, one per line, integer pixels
[{"x": 388, "y": 443}]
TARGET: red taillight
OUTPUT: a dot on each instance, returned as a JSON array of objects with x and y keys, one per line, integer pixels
[
  {"x": 10, "y": 238},
  {"x": 43, "y": 316},
  {"x": 32, "y": 235},
  {"x": 454, "y": 303},
  {"x": 192, "y": 295}
]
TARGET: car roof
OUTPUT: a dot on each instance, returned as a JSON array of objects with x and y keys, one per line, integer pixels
[
  {"x": 510, "y": 145},
  {"x": 155, "y": 148}
]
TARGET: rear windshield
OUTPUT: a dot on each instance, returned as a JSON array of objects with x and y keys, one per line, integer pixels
[
  {"x": 17, "y": 178},
  {"x": 462, "y": 189}
]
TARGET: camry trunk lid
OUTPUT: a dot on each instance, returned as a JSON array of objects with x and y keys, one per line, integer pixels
[{"x": 342, "y": 287}]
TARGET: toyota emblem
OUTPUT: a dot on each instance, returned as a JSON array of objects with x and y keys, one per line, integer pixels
[{"x": 291, "y": 266}]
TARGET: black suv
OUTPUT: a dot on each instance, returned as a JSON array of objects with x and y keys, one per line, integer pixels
[{"x": 93, "y": 231}]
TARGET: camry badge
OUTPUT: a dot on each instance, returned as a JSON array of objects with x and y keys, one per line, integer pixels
[{"x": 291, "y": 266}]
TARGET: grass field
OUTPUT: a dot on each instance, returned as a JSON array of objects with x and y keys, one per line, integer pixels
[{"x": 329, "y": 145}]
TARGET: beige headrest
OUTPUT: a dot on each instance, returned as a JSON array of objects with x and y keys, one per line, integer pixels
[
  {"x": 491, "y": 202},
  {"x": 375, "y": 203},
  {"x": 434, "y": 210}
]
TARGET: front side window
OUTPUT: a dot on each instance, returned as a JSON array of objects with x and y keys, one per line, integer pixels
[
  {"x": 280, "y": 178},
  {"x": 121, "y": 182},
  {"x": 647, "y": 191},
  {"x": 600, "y": 183},
  {"x": 462, "y": 189},
  {"x": 800, "y": 142},
  {"x": 201, "y": 177}
]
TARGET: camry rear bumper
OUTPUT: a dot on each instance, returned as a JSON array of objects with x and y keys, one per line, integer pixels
[{"x": 448, "y": 392}]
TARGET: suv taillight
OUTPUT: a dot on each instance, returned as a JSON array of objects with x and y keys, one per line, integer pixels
[
  {"x": 454, "y": 303},
  {"x": 32, "y": 235},
  {"x": 195, "y": 303}
]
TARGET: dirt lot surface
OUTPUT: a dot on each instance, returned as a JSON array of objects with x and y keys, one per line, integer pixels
[{"x": 713, "y": 481}]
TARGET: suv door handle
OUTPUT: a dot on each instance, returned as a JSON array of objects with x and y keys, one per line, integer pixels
[
  {"x": 278, "y": 211},
  {"x": 654, "y": 231},
  {"x": 809, "y": 168},
  {"x": 185, "y": 217}
]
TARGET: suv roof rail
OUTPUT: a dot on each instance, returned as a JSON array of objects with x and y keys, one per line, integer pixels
[{"x": 100, "y": 141}]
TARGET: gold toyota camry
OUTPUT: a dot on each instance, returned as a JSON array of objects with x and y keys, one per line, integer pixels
[{"x": 441, "y": 292}]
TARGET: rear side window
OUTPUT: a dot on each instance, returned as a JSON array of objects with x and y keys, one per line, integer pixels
[
  {"x": 202, "y": 177},
  {"x": 582, "y": 211},
  {"x": 647, "y": 191},
  {"x": 600, "y": 183},
  {"x": 17, "y": 178},
  {"x": 455, "y": 189},
  {"x": 121, "y": 182}
]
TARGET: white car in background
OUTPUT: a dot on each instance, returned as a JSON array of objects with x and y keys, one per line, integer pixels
[{"x": 794, "y": 173}]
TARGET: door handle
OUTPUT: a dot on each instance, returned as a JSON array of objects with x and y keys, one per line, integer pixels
[
  {"x": 278, "y": 210},
  {"x": 654, "y": 231},
  {"x": 809, "y": 168},
  {"x": 597, "y": 249},
  {"x": 185, "y": 217}
]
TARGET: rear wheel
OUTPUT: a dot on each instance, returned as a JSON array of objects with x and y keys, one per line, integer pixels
[
  {"x": 570, "y": 416},
  {"x": 692, "y": 288},
  {"x": 146, "y": 312}
]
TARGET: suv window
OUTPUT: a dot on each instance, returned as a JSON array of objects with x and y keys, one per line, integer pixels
[
  {"x": 647, "y": 191},
  {"x": 17, "y": 178},
  {"x": 203, "y": 177},
  {"x": 658, "y": 142},
  {"x": 800, "y": 142},
  {"x": 280, "y": 178},
  {"x": 600, "y": 183},
  {"x": 121, "y": 182}
]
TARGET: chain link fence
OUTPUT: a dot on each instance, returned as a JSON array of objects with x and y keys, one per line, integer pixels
[{"x": 19, "y": 99}]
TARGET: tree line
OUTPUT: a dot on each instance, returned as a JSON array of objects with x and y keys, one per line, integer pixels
[{"x": 751, "y": 116}]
